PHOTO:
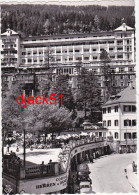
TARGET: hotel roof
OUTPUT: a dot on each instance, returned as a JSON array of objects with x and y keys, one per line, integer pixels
[
  {"x": 10, "y": 32},
  {"x": 128, "y": 95},
  {"x": 123, "y": 27}
]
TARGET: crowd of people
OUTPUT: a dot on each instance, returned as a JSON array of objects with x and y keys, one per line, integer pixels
[{"x": 50, "y": 141}]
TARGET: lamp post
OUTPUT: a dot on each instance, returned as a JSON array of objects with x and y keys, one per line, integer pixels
[{"x": 24, "y": 134}]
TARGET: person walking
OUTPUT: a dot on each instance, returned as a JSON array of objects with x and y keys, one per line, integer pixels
[
  {"x": 91, "y": 159},
  {"x": 86, "y": 157},
  {"x": 133, "y": 166}
]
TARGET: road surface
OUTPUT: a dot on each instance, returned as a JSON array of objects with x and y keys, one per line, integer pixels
[{"x": 107, "y": 173}]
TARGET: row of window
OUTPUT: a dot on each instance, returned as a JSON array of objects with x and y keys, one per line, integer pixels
[
  {"x": 128, "y": 122},
  {"x": 87, "y": 43},
  {"x": 71, "y": 51},
  {"x": 8, "y": 46},
  {"x": 126, "y": 76},
  {"x": 93, "y": 57},
  {"x": 129, "y": 108},
  {"x": 59, "y": 59},
  {"x": 9, "y": 40},
  {"x": 113, "y": 70},
  {"x": 77, "y": 58},
  {"x": 94, "y": 50},
  {"x": 109, "y": 123},
  {"x": 126, "y": 108},
  {"x": 101, "y": 42},
  {"x": 122, "y": 84},
  {"x": 122, "y": 70},
  {"x": 109, "y": 109},
  {"x": 30, "y": 60},
  {"x": 59, "y": 38},
  {"x": 9, "y": 52},
  {"x": 116, "y": 123},
  {"x": 65, "y": 70},
  {"x": 130, "y": 135},
  {"x": 9, "y": 59},
  {"x": 124, "y": 34},
  {"x": 126, "y": 135},
  {"x": 111, "y": 43},
  {"x": 41, "y": 52}
]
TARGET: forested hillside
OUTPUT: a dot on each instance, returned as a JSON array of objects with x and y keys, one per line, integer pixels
[{"x": 54, "y": 19}]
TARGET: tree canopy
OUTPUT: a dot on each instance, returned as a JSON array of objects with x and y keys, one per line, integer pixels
[
  {"x": 61, "y": 86},
  {"x": 53, "y": 19},
  {"x": 108, "y": 79},
  {"x": 88, "y": 94},
  {"x": 33, "y": 118}
]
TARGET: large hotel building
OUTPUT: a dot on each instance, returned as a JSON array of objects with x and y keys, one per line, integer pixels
[{"x": 64, "y": 52}]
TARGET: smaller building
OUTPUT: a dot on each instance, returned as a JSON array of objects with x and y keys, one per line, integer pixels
[
  {"x": 119, "y": 116},
  {"x": 97, "y": 130}
]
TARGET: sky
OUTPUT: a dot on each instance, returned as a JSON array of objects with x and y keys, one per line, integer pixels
[{"x": 74, "y": 2}]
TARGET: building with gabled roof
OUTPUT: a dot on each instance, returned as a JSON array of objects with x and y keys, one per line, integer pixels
[{"x": 119, "y": 116}]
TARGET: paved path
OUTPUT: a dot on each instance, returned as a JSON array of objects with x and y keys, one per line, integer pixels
[
  {"x": 132, "y": 176},
  {"x": 36, "y": 156},
  {"x": 107, "y": 173}
]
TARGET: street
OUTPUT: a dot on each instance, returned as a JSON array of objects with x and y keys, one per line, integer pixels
[{"x": 107, "y": 173}]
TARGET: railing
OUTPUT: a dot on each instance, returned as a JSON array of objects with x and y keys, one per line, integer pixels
[{"x": 40, "y": 170}]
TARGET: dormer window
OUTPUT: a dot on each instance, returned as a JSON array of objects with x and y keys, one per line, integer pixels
[
  {"x": 112, "y": 97},
  {"x": 117, "y": 96}
]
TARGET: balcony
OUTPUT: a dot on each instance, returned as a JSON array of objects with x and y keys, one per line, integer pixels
[
  {"x": 9, "y": 48},
  {"x": 8, "y": 64},
  {"x": 120, "y": 44},
  {"x": 8, "y": 42},
  {"x": 119, "y": 51},
  {"x": 9, "y": 56},
  {"x": 111, "y": 51},
  {"x": 128, "y": 51}
]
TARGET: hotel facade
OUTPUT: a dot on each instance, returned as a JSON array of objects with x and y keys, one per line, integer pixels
[
  {"x": 65, "y": 52},
  {"x": 119, "y": 117}
]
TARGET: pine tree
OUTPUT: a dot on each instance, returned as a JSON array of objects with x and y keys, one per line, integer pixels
[
  {"x": 107, "y": 76},
  {"x": 89, "y": 93},
  {"x": 61, "y": 86},
  {"x": 96, "y": 22},
  {"x": 49, "y": 57}
]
